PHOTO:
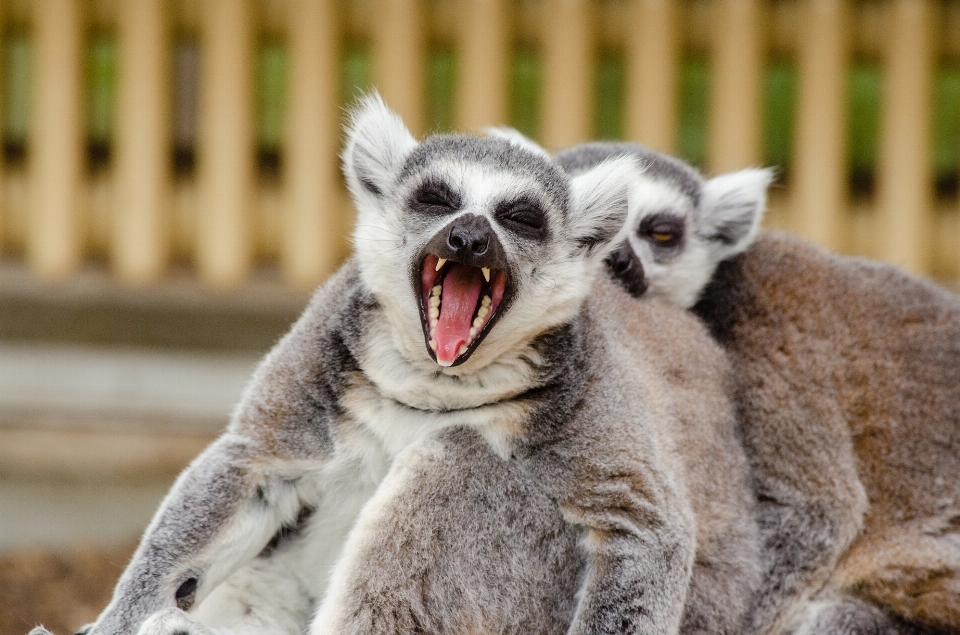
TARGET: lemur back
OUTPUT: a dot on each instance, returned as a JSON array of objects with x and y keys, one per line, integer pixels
[
  {"x": 877, "y": 351},
  {"x": 847, "y": 391}
]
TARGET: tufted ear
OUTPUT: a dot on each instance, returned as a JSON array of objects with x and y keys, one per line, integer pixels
[
  {"x": 377, "y": 145},
  {"x": 515, "y": 137},
  {"x": 731, "y": 209},
  {"x": 599, "y": 199}
]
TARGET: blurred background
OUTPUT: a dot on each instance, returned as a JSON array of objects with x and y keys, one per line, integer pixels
[{"x": 170, "y": 193}]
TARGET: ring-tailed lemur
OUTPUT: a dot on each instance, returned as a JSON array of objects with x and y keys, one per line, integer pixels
[
  {"x": 470, "y": 304},
  {"x": 849, "y": 393}
]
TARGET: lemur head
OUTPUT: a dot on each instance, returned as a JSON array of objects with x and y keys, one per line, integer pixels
[
  {"x": 681, "y": 226},
  {"x": 467, "y": 240}
]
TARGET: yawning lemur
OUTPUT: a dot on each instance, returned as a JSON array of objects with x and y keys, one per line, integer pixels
[
  {"x": 466, "y": 332},
  {"x": 849, "y": 391}
]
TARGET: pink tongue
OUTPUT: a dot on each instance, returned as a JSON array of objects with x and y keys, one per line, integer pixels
[{"x": 461, "y": 291}]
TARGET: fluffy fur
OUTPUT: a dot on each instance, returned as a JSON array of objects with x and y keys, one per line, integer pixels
[
  {"x": 849, "y": 393},
  {"x": 350, "y": 418}
]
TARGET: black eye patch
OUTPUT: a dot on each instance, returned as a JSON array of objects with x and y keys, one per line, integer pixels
[
  {"x": 435, "y": 198},
  {"x": 523, "y": 216},
  {"x": 662, "y": 229}
]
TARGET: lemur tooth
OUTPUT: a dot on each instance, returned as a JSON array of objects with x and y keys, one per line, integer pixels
[
  {"x": 434, "y": 312},
  {"x": 483, "y": 311},
  {"x": 434, "y": 322},
  {"x": 477, "y": 322},
  {"x": 473, "y": 332},
  {"x": 462, "y": 349},
  {"x": 436, "y": 290},
  {"x": 434, "y": 301},
  {"x": 433, "y": 344},
  {"x": 440, "y": 263},
  {"x": 486, "y": 273},
  {"x": 486, "y": 301}
]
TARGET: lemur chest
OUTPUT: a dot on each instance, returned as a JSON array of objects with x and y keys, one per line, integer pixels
[{"x": 396, "y": 425}]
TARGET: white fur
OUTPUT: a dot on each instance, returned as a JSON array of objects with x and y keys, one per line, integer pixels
[{"x": 739, "y": 197}]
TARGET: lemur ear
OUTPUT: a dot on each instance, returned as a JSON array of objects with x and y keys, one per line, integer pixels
[
  {"x": 518, "y": 139},
  {"x": 377, "y": 145},
  {"x": 732, "y": 207},
  {"x": 599, "y": 199}
]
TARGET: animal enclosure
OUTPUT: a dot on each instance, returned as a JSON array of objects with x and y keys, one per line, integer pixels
[{"x": 147, "y": 136}]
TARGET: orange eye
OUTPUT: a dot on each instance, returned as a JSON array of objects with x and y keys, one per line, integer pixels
[{"x": 663, "y": 238}]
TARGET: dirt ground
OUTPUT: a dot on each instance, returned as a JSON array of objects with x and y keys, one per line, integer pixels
[{"x": 62, "y": 591}]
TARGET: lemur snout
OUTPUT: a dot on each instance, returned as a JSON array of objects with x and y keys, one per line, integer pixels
[
  {"x": 625, "y": 266},
  {"x": 470, "y": 240}
]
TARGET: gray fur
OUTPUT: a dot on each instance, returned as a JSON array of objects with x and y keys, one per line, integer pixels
[
  {"x": 849, "y": 393},
  {"x": 609, "y": 437}
]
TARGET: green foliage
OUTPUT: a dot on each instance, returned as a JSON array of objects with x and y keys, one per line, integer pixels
[
  {"x": 271, "y": 92},
  {"x": 525, "y": 81},
  {"x": 694, "y": 108},
  {"x": 610, "y": 94}
]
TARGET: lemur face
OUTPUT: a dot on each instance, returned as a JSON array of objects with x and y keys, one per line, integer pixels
[
  {"x": 474, "y": 240},
  {"x": 681, "y": 226}
]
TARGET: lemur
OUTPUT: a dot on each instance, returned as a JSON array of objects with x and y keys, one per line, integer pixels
[
  {"x": 848, "y": 389},
  {"x": 468, "y": 328}
]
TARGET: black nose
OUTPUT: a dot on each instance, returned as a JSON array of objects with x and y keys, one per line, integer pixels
[
  {"x": 471, "y": 237},
  {"x": 621, "y": 261},
  {"x": 626, "y": 268}
]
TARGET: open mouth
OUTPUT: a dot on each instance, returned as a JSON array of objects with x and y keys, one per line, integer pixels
[{"x": 459, "y": 304}]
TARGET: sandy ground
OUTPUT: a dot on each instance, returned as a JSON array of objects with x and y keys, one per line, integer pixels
[{"x": 62, "y": 591}]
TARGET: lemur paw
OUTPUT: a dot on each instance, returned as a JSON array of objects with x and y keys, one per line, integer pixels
[{"x": 172, "y": 622}]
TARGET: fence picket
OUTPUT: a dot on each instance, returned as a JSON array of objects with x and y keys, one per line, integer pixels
[
  {"x": 484, "y": 53},
  {"x": 735, "y": 111},
  {"x": 140, "y": 219},
  {"x": 399, "y": 46},
  {"x": 904, "y": 172},
  {"x": 820, "y": 168},
  {"x": 55, "y": 233},
  {"x": 313, "y": 227},
  {"x": 567, "y": 44},
  {"x": 226, "y": 142},
  {"x": 652, "y": 64}
]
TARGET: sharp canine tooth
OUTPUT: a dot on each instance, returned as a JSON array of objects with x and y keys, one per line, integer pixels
[
  {"x": 440, "y": 263},
  {"x": 462, "y": 349},
  {"x": 486, "y": 273},
  {"x": 433, "y": 344}
]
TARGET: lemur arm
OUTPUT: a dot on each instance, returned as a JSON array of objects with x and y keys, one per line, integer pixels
[
  {"x": 639, "y": 535},
  {"x": 225, "y": 507}
]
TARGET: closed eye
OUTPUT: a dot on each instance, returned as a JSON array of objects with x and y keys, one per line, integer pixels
[
  {"x": 435, "y": 197},
  {"x": 523, "y": 217}
]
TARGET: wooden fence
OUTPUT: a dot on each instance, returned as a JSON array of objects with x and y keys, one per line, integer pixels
[{"x": 152, "y": 135}]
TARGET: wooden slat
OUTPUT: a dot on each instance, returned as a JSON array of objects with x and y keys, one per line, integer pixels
[
  {"x": 226, "y": 140},
  {"x": 399, "y": 46},
  {"x": 735, "y": 110},
  {"x": 904, "y": 174},
  {"x": 141, "y": 219},
  {"x": 484, "y": 53},
  {"x": 568, "y": 56},
  {"x": 313, "y": 229},
  {"x": 55, "y": 240},
  {"x": 819, "y": 178},
  {"x": 653, "y": 52}
]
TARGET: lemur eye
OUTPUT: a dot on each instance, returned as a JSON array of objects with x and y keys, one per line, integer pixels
[
  {"x": 435, "y": 197},
  {"x": 523, "y": 216},
  {"x": 662, "y": 229}
]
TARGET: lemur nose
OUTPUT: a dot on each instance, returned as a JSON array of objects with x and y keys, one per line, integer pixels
[
  {"x": 469, "y": 237},
  {"x": 621, "y": 261}
]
